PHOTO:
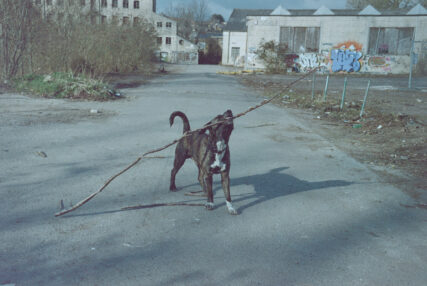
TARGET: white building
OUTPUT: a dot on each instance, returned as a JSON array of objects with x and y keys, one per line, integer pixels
[
  {"x": 335, "y": 40},
  {"x": 172, "y": 48}
]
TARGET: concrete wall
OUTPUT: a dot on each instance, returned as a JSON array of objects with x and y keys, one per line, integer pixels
[
  {"x": 349, "y": 32},
  {"x": 234, "y": 40}
]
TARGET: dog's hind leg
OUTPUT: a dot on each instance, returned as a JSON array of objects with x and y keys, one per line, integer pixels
[
  {"x": 177, "y": 164},
  {"x": 225, "y": 179}
]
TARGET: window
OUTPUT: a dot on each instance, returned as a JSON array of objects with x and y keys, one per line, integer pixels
[
  {"x": 136, "y": 21},
  {"x": 136, "y": 4},
  {"x": 168, "y": 25},
  {"x": 159, "y": 24},
  {"x": 125, "y": 3},
  {"x": 115, "y": 3},
  {"x": 168, "y": 40},
  {"x": 49, "y": 17},
  {"x": 114, "y": 20},
  {"x": 92, "y": 4},
  {"x": 93, "y": 19},
  {"x": 82, "y": 2},
  {"x": 60, "y": 2},
  {"x": 48, "y": 2},
  {"x": 38, "y": 2},
  {"x": 392, "y": 41},
  {"x": 104, "y": 3},
  {"x": 60, "y": 17},
  {"x": 300, "y": 39},
  {"x": 125, "y": 20},
  {"x": 235, "y": 52},
  {"x": 159, "y": 40},
  {"x": 103, "y": 19}
]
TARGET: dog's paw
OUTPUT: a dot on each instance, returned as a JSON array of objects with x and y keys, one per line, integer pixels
[
  {"x": 230, "y": 208},
  {"x": 173, "y": 189},
  {"x": 209, "y": 206}
]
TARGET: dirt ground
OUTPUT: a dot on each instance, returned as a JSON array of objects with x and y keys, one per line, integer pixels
[{"x": 390, "y": 136}]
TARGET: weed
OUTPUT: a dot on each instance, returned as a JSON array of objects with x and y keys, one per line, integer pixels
[{"x": 65, "y": 85}]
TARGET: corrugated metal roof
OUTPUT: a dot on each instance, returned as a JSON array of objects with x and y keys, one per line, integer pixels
[{"x": 237, "y": 21}]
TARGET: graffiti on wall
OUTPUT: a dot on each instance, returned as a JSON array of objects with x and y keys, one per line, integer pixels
[
  {"x": 347, "y": 57},
  {"x": 308, "y": 61}
]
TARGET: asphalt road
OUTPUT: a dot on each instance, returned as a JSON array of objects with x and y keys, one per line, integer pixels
[{"x": 308, "y": 213}]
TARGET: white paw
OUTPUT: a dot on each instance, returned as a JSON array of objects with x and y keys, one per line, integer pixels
[
  {"x": 230, "y": 208},
  {"x": 209, "y": 206}
]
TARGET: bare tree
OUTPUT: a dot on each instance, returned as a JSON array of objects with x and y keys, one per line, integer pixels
[
  {"x": 15, "y": 26},
  {"x": 190, "y": 17}
]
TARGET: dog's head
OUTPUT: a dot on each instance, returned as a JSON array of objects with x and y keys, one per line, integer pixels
[{"x": 222, "y": 130}]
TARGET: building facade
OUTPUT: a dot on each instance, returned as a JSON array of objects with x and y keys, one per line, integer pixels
[
  {"x": 171, "y": 47},
  {"x": 339, "y": 40}
]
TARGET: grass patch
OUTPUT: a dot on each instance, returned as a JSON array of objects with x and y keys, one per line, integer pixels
[{"x": 66, "y": 85}]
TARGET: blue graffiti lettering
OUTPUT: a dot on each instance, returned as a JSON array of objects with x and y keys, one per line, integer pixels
[{"x": 345, "y": 60}]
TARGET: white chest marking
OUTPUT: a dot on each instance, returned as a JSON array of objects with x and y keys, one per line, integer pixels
[{"x": 220, "y": 147}]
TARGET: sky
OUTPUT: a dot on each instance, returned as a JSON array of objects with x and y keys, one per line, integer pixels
[{"x": 225, "y": 7}]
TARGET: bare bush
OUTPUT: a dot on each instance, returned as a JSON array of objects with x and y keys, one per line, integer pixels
[
  {"x": 274, "y": 56},
  {"x": 31, "y": 43}
]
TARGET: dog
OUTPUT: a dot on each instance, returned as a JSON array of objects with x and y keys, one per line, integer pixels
[{"x": 209, "y": 150}]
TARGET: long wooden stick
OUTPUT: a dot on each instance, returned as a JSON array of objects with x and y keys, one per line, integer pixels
[
  {"x": 162, "y": 205},
  {"x": 266, "y": 101}
]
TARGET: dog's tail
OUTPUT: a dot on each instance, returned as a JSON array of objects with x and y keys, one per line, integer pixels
[{"x": 184, "y": 120}]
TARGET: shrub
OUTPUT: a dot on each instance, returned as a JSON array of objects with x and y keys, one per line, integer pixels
[
  {"x": 65, "y": 85},
  {"x": 274, "y": 56}
]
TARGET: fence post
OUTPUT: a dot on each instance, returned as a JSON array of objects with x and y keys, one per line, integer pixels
[
  {"x": 412, "y": 60},
  {"x": 343, "y": 94},
  {"x": 326, "y": 88},
  {"x": 364, "y": 100},
  {"x": 312, "y": 85}
]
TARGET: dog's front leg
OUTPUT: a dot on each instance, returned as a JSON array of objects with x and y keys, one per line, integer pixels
[
  {"x": 208, "y": 189},
  {"x": 225, "y": 179}
]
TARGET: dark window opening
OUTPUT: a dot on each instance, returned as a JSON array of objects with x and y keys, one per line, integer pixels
[
  {"x": 104, "y": 3},
  {"x": 168, "y": 25},
  {"x": 159, "y": 40},
  {"x": 125, "y": 3},
  {"x": 390, "y": 41},
  {"x": 159, "y": 24},
  {"x": 300, "y": 39},
  {"x": 115, "y": 3},
  {"x": 136, "y": 4},
  {"x": 168, "y": 40}
]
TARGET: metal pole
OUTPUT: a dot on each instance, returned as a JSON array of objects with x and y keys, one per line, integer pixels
[
  {"x": 364, "y": 100},
  {"x": 343, "y": 94},
  {"x": 326, "y": 88},
  {"x": 412, "y": 61},
  {"x": 312, "y": 85}
]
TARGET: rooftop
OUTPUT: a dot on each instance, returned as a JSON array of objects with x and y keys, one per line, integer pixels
[{"x": 237, "y": 21}]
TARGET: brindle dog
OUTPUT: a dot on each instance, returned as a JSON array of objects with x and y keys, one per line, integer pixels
[{"x": 209, "y": 150}]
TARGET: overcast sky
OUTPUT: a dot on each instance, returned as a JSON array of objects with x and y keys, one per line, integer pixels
[{"x": 224, "y": 7}]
